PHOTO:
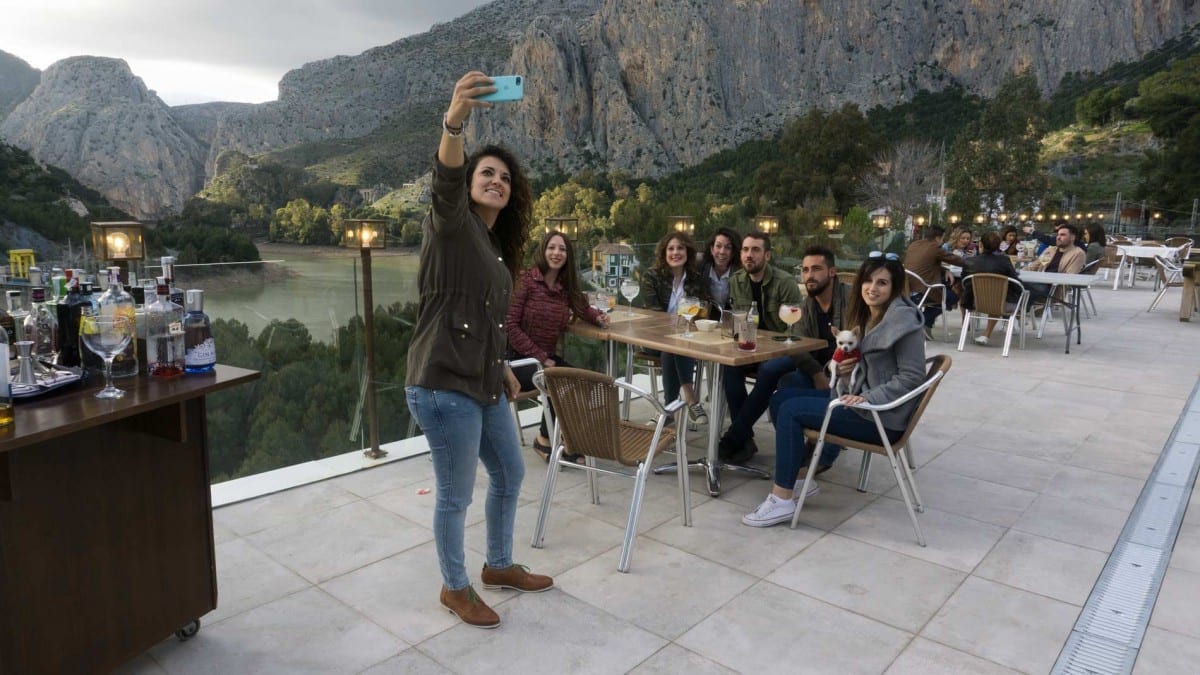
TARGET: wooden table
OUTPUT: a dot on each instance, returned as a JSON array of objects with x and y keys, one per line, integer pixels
[
  {"x": 656, "y": 330},
  {"x": 106, "y": 543}
]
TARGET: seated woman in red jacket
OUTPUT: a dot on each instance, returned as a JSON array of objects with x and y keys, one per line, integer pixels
[{"x": 539, "y": 312}]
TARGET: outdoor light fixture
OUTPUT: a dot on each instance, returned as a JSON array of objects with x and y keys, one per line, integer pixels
[
  {"x": 118, "y": 241},
  {"x": 832, "y": 223},
  {"x": 364, "y": 235},
  {"x": 684, "y": 224},
  {"x": 980, "y": 219},
  {"x": 568, "y": 225},
  {"x": 766, "y": 224},
  {"x": 954, "y": 219}
]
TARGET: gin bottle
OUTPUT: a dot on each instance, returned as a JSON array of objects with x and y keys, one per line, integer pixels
[
  {"x": 201, "y": 351},
  {"x": 69, "y": 309},
  {"x": 17, "y": 313},
  {"x": 164, "y": 334}
]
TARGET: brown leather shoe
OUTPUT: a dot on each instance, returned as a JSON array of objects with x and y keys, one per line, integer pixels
[
  {"x": 516, "y": 577},
  {"x": 469, "y": 607}
]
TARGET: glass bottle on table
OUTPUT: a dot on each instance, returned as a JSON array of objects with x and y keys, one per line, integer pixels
[
  {"x": 168, "y": 267},
  {"x": 6, "y": 408},
  {"x": 68, "y": 310},
  {"x": 114, "y": 302},
  {"x": 200, "y": 350},
  {"x": 41, "y": 327},
  {"x": 9, "y": 327},
  {"x": 165, "y": 347},
  {"x": 16, "y": 309}
]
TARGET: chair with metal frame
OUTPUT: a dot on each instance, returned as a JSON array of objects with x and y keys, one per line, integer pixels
[
  {"x": 588, "y": 420},
  {"x": 990, "y": 292},
  {"x": 937, "y": 367},
  {"x": 530, "y": 395},
  {"x": 1086, "y": 293},
  {"x": 915, "y": 284},
  {"x": 1170, "y": 275}
]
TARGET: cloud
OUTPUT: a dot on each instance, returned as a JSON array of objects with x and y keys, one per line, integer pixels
[{"x": 206, "y": 40}]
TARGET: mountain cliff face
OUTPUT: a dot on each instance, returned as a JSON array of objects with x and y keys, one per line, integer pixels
[
  {"x": 644, "y": 85},
  {"x": 17, "y": 80},
  {"x": 93, "y": 118}
]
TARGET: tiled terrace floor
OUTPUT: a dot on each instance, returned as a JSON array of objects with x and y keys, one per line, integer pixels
[{"x": 1029, "y": 466}]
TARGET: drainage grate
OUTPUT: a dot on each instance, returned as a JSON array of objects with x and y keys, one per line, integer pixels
[
  {"x": 1089, "y": 655},
  {"x": 1109, "y": 631}
]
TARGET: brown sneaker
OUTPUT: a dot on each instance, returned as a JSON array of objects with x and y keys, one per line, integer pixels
[
  {"x": 468, "y": 606},
  {"x": 516, "y": 577}
]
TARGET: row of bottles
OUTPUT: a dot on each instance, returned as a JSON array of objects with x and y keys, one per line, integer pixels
[{"x": 177, "y": 341}]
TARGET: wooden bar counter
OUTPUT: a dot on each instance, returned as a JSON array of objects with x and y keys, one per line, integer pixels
[{"x": 106, "y": 542}]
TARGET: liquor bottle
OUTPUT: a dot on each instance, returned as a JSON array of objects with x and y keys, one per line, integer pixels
[
  {"x": 168, "y": 267},
  {"x": 200, "y": 355},
  {"x": 116, "y": 302},
  {"x": 17, "y": 311},
  {"x": 9, "y": 327},
  {"x": 752, "y": 315},
  {"x": 164, "y": 334},
  {"x": 41, "y": 327},
  {"x": 88, "y": 359},
  {"x": 69, "y": 309},
  {"x": 6, "y": 408},
  {"x": 58, "y": 285}
]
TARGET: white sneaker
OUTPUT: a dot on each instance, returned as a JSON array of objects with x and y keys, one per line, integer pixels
[
  {"x": 698, "y": 416},
  {"x": 813, "y": 490},
  {"x": 772, "y": 511},
  {"x": 981, "y": 340}
]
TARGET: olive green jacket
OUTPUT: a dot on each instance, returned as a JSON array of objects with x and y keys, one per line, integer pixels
[{"x": 778, "y": 288}]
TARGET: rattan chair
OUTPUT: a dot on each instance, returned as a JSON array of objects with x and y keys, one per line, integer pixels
[
  {"x": 588, "y": 420},
  {"x": 915, "y": 284},
  {"x": 530, "y": 395},
  {"x": 937, "y": 367},
  {"x": 990, "y": 292}
]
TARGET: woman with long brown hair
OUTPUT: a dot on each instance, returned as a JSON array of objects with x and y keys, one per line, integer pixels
[
  {"x": 458, "y": 384},
  {"x": 893, "y": 364},
  {"x": 541, "y": 308},
  {"x": 673, "y": 275}
]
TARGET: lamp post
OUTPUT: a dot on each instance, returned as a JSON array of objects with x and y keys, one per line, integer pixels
[
  {"x": 919, "y": 226},
  {"x": 881, "y": 222},
  {"x": 766, "y": 224},
  {"x": 832, "y": 224},
  {"x": 366, "y": 234},
  {"x": 684, "y": 224},
  {"x": 568, "y": 225},
  {"x": 119, "y": 242}
]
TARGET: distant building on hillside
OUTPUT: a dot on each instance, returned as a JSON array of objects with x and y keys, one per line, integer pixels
[
  {"x": 611, "y": 263},
  {"x": 370, "y": 195}
]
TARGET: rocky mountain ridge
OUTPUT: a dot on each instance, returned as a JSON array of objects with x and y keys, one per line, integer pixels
[{"x": 644, "y": 85}]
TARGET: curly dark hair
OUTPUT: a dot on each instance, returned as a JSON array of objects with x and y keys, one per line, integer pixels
[
  {"x": 735, "y": 241},
  {"x": 513, "y": 224},
  {"x": 660, "y": 253},
  {"x": 568, "y": 277}
]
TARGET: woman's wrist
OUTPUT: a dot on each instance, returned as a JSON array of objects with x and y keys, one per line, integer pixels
[{"x": 451, "y": 129}]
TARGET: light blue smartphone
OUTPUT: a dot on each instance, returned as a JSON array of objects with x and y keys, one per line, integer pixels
[{"x": 508, "y": 88}]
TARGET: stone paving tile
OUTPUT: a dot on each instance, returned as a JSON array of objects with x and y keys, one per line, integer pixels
[
  {"x": 1073, "y": 522},
  {"x": 995, "y": 466},
  {"x": 1052, "y": 568},
  {"x": 1177, "y": 601},
  {"x": 1015, "y": 628},
  {"x": 1186, "y": 554},
  {"x": 549, "y": 632},
  {"x": 898, "y": 590},
  {"x": 951, "y": 541},
  {"x": 1096, "y": 488},
  {"x": 282, "y": 507},
  {"x": 768, "y": 625},
  {"x": 674, "y": 659},
  {"x": 923, "y": 657},
  {"x": 408, "y": 662},
  {"x": 1165, "y": 652},
  {"x": 247, "y": 578},
  {"x": 979, "y": 499}
]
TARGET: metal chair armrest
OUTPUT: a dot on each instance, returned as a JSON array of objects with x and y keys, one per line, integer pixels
[
  {"x": 527, "y": 361},
  {"x": 668, "y": 409},
  {"x": 891, "y": 404}
]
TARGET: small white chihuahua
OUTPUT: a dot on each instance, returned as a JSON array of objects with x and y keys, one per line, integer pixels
[{"x": 847, "y": 347}]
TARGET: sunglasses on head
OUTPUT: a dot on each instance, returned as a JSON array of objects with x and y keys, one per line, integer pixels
[{"x": 881, "y": 254}]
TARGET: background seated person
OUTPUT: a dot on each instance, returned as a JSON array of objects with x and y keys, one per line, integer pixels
[
  {"x": 961, "y": 242},
  {"x": 1009, "y": 238},
  {"x": 893, "y": 358},
  {"x": 1094, "y": 240},
  {"x": 1064, "y": 257},
  {"x": 924, "y": 257},
  {"x": 761, "y": 283},
  {"x": 990, "y": 262},
  {"x": 721, "y": 260},
  {"x": 672, "y": 276}
]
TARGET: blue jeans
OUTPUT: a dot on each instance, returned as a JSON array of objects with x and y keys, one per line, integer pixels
[
  {"x": 744, "y": 410},
  {"x": 676, "y": 372},
  {"x": 461, "y": 431},
  {"x": 794, "y": 411}
]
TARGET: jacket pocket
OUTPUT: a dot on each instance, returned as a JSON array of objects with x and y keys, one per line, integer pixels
[{"x": 464, "y": 355}]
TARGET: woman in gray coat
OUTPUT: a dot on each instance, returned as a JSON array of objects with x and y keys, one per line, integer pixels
[{"x": 893, "y": 364}]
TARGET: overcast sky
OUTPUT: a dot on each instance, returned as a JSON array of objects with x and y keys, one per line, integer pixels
[{"x": 193, "y": 51}]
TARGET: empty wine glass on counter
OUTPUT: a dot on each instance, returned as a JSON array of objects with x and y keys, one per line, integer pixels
[{"x": 106, "y": 337}]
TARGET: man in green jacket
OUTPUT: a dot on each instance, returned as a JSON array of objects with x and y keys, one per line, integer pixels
[{"x": 769, "y": 287}]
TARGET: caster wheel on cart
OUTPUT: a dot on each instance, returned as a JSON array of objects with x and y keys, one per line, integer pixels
[{"x": 188, "y": 631}]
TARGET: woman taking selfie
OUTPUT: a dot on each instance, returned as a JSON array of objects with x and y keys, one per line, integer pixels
[
  {"x": 893, "y": 364},
  {"x": 546, "y": 296},
  {"x": 458, "y": 384}
]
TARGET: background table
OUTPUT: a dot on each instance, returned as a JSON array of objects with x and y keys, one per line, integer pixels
[
  {"x": 1075, "y": 283},
  {"x": 106, "y": 543}
]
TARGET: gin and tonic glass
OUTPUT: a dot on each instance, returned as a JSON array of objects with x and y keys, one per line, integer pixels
[{"x": 106, "y": 336}]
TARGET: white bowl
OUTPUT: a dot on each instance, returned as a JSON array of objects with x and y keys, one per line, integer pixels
[{"x": 707, "y": 325}]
